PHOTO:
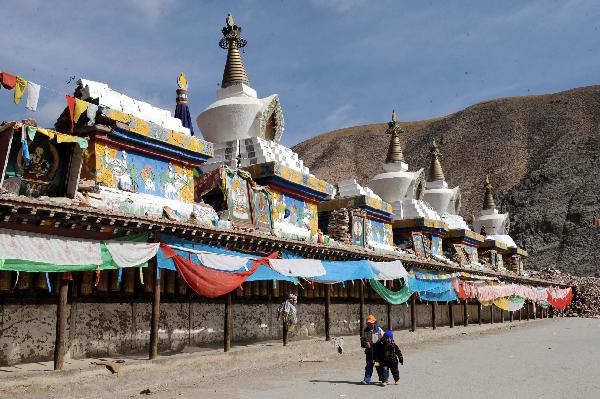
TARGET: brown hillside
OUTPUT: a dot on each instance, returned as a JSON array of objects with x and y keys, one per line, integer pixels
[{"x": 541, "y": 152}]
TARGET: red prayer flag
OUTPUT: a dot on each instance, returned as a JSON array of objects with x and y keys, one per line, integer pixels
[
  {"x": 209, "y": 282},
  {"x": 8, "y": 81},
  {"x": 71, "y": 104}
]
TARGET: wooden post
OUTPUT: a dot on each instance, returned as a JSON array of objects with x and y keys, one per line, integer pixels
[
  {"x": 327, "y": 313},
  {"x": 227, "y": 324},
  {"x": 511, "y": 315},
  {"x": 465, "y": 313},
  {"x": 413, "y": 313},
  {"x": 479, "y": 306},
  {"x": 451, "y": 314},
  {"x": 520, "y": 314},
  {"x": 491, "y": 314},
  {"x": 389, "y": 316},
  {"x": 61, "y": 322},
  {"x": 501, "y": 315},
  {"x": 361, "y": 307},
  {"x": 433, "y": 311},
  {"x": 527, "y": 310},
  {"x": 535, "y": 310},
  {"x": 154, "y": 321}
]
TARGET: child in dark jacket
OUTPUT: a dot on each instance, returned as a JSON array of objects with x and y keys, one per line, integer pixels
[
  {"x": 388, "y": 355},
  {"x": 368, "y": 340}
]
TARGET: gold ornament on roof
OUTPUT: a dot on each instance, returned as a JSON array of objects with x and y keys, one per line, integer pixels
[
  {"x": 435, "y": 167},
  {"x": 182, "y": 82},
  {"x": 232, "y": 41},
  {"x": 394, "y": 153}
]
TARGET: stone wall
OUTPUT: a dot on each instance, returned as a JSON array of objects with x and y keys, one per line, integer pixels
[{"x": 96, "y": 329}]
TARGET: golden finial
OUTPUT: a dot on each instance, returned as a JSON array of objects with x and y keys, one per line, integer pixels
[
  {"x": 435, "y": 167},
  {"x": 488, "y": 199},
  {"x": 394, "y": 153},
  {"x": 182, "y": 81},
  {"x": 229, "y": 20}
]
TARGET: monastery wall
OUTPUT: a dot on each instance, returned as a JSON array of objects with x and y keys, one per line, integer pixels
[{"x": 110, "y": 329}]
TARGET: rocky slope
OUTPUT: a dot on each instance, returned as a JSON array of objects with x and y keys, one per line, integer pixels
[{"x": 541, "y": 152}]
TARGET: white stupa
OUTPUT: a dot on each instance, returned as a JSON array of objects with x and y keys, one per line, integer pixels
[
  {"x": 397, "y": 186},
  {"x": 445, "y": 201},
  {"x": 491, "y": 223},
  {"x": 246, "y": 129}
]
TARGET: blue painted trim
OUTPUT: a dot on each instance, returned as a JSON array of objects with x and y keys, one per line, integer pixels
[
  {"x": 167, "y": 148},
  {"x": 377, "y": 213}
]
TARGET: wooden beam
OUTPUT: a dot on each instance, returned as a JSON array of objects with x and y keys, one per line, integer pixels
[
  {"x": 413, "y": 313},
  {"x": 491, "y": 313},
  {"x": 227, "y": 324},
  {"x": 465, "y": 313},
  {"x": 155, "y": 318},
  {"x": 511, "y": 316},
  {"x": 479, "y": 306},
  {"x": 501, "y": 315},
  {"x": 327, "y": 312},
  {"x": 61, "y": 322},
  {"x": 433, "y": 315}
]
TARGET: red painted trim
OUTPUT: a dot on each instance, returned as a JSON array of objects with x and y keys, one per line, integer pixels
[
  {"x": 292, "y": 193},
  {"x": 132, "y": 147}
]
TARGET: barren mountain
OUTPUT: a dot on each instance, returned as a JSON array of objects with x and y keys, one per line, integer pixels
[{"x": 541, "y": 152}]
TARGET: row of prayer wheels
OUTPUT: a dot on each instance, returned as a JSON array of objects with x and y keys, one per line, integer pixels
[{"x": 172, "y": 284}]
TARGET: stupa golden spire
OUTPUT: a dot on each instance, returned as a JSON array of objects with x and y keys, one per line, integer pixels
[
  {"x": 435, "y": 167},
  {"x": 488, "y": 199},
  {"x": 394, "y": 153},
  {"x": 232, "y": 41}
]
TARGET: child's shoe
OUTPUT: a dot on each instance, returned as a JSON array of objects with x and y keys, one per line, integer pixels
[
  {"x": 384, "y": 383},
  {"x": 397, "y": 382}
]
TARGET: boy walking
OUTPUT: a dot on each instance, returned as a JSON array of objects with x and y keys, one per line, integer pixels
[
  {"x": 388, "y": 354},
  {"x": 371, "y": 336}
]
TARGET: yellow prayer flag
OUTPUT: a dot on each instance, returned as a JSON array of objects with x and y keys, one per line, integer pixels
[
  {"x": 80, "y": 107},
  {"x": 66, "y": 138},
  {"x": 46, "y": 132},
  {"x": 20, "y": 89}
]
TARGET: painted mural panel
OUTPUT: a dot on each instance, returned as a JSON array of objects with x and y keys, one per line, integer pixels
[
  {"x": 261, "y": 210},
  {"x": 419, "y": 245},
  {"x": 130, "y": 171},
  {"x": 297, "y": 212},
  {"x": 358, "y": 231},
  {"x": 379, "y": 232},
  {"x": 238, "y": 200},
  {"x": 436, "y": 245}
]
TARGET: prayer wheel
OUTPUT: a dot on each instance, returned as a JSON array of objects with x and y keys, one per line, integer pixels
[
  {"x": 308, "y": 292},
  {"x": 169, "y": 281},
  {"x": 24, "y": 282},
  {"x": 129, "y": 280},
  {"x": 5, "y": 281},
  {"x": 276, "y": 289},
  {"x": 40, "y": 282},
  {"x": 104, "y": 281},
  {"x": 256, "y": 288},
  {"x": 321, "y": 290},
  {"x": 181, "y": 286},
  {"x": 87, "y": 283},
  {"x": 239, "y": 293},
  {"x": 115, "y": 286},
  {"x": 147, "y": 287},
  {"x": 247, "y": 289},
  {"x": 263, "y": 288}
]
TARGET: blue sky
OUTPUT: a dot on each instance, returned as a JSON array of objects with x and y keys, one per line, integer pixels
[{"x": 334, "y": 63}]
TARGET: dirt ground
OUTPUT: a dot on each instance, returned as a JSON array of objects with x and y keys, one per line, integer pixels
[{"x": 552, "y": 358}]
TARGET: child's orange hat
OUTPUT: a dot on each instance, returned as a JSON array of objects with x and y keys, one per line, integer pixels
[{"x": 371, "y": 319}]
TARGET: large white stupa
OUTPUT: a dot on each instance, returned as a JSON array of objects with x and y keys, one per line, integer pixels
[
  {"x": 246, "y": 129},
  {"x": 491, "y": 223},
  {"x": 445, "y": 201},
  {"x": 397, "y": 186}
]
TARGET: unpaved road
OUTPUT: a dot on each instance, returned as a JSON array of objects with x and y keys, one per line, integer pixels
[
  {"x": 552, "y": 358},
  {"x": 556, "y": 358}
]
